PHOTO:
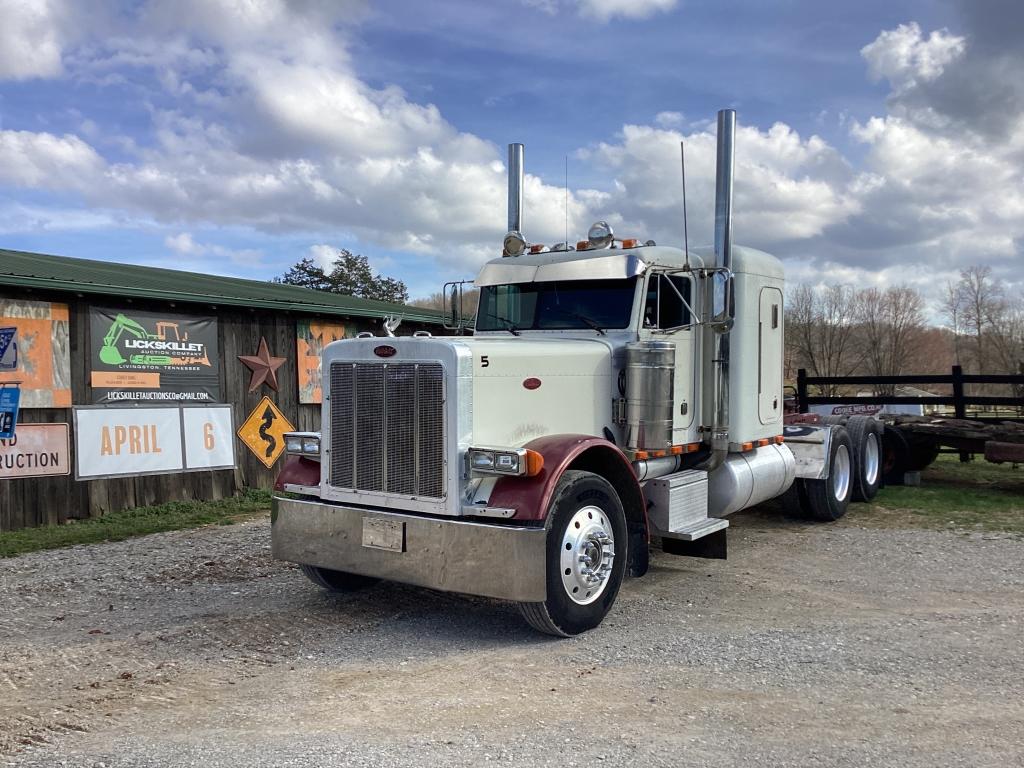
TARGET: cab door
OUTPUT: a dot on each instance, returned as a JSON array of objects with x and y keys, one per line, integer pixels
[{"x": 668, "y": 315}]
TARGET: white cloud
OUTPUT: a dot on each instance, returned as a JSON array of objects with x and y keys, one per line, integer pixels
[
  {"x": 31, "y": 38},
  {"x": 904, "y": 56},
  {"x": 787, "y": 188},
  {"x": 19, "y": 218},
  {"x": 184, "y": 245},
  {"x": 605, "y": 10},
  {"x": 669, "y": 119},
  {"x": 273, "y": 130},
  {"x": 30, "y": 159}
]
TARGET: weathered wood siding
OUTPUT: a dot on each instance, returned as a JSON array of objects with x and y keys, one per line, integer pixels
[{"x": 48, "y": 500}]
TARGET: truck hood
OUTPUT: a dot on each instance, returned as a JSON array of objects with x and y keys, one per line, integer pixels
[
  {"x": 524, "y": 388},
  {"x": 506, "y": 391}
]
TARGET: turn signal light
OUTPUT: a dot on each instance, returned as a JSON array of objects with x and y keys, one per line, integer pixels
[
  {"x": 630, "y": 242},
  {"x": 583, "y": 245},
  {"x": 747, "y": 447},
  {"x": 534, "y": 463},
  {"x": 537, "y": 248}
]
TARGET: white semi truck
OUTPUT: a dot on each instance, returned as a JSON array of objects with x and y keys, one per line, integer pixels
[{"x": 612, "y": 396}]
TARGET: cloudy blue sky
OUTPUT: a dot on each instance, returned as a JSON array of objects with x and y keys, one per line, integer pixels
[{"x": 880, "y": 142}]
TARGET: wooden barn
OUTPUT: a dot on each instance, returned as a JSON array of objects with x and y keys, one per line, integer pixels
[{"x": 138, "y": 385}]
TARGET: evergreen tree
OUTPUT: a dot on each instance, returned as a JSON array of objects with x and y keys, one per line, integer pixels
[{"x": 350, "y": 274}]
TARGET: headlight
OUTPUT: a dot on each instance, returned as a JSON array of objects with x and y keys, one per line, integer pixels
[
  {"x": 504, "y": 461},
  {"x": 302, "y": 443}
]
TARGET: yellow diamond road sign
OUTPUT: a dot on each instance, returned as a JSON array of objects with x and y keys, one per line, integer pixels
[{"x": 263, "y": 432}]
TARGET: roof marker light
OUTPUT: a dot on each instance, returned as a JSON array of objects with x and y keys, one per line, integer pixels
[
  {"x": 514, "y": 244},
  {"x": 600, "y": 234}
]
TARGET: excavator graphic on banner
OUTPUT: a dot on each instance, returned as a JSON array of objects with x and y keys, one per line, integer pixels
[{"x": 110, "y": 354}]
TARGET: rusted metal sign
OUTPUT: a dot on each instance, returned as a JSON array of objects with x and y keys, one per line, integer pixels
[{"x": 37, "y": 450}]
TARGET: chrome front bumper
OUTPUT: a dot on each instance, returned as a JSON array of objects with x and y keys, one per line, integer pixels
[{"x": 502, "y": 561}]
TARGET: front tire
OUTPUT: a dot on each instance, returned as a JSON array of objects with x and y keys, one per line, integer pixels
[
  {"x": 586, "y": 556},
  {"x": 337, "y": 581}
]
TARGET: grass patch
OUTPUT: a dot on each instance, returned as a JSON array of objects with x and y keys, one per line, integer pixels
[
  {"x": 973, "y": 496},
  {"x": 116, "y": 526}
]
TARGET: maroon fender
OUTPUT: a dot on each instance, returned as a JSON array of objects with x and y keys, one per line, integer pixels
[
  {"x": 298, "y": 470},
  {"x": 530, "y": 496}
]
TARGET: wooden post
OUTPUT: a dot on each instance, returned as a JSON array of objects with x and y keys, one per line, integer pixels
[
  {"x": 959, "y": 406},
  {"x": 801, "y": 390}
]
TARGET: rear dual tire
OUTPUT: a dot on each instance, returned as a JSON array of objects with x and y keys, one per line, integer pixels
[
  {"x": 826, "y": 500},
  {"x": 866, "y": 443}
]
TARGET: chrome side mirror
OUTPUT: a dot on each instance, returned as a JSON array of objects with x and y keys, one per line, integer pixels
[
  {"x": 723, "y": 307},
  {"x": 453, "y": 318}
]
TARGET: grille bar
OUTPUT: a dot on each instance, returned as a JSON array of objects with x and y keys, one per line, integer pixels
[{"x": 387, "y": 428}]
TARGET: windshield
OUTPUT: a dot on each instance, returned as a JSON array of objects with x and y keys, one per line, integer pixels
[{"x": 557, "y": 305}]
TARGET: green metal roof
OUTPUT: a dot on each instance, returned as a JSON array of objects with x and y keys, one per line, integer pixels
[{"x": 82, "y": 276}]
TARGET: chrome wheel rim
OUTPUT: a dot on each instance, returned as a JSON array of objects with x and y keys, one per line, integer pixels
[
  {"x": 841, "y": 473},
  {"x": 872, "y": 459},
  {"x": 587, "y": 555}
]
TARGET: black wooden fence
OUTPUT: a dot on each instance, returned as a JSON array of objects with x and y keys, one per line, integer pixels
[{"x": 957, "y": 380}]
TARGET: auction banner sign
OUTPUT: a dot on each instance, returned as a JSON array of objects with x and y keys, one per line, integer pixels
[
  {"x": 38, "y": 450},
  {"x": 153, "y": 357},
  {"x": 116, "y": 442}
]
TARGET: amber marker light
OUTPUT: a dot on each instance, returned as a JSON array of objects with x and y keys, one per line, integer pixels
[{"x": 534, "y": 463}]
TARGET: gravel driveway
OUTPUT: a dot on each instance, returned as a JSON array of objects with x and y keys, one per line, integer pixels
[{"x": 812, "y": 645}]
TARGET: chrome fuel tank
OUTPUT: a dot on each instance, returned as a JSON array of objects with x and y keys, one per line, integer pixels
[{"x": 650, "y": 374}]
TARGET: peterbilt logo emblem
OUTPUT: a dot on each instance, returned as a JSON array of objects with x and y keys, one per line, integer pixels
[{"x": 384, "y": 351}]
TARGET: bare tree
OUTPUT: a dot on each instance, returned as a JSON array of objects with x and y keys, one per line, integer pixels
[
  {"x": 821, "y": 332},
  {"x": 1006, "y": 333},
  {"x": 980, "y": 303},
  {"x": 891, "y": 328}
]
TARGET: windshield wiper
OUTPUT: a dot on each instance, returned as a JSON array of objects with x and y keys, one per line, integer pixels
[
  {"x": 591, "y": 323},
  {"x": 509, "y": 325}
]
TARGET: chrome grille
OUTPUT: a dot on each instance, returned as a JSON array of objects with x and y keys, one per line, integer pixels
[{"x": 387, "y": 428}]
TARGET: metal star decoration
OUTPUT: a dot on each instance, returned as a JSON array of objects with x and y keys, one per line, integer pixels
[{"x": 263, "y": 366}]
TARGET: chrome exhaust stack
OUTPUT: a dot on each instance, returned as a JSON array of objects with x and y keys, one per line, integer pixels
[
  {"x": 720, "y": 299},
  {"x": 723, "y": 187},
  {"x": 515, "y": 243}
]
